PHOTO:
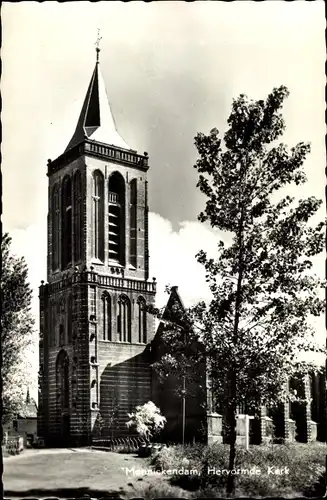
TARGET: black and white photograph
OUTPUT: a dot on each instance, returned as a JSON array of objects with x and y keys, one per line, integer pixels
[{"x": 163, "y": 249}]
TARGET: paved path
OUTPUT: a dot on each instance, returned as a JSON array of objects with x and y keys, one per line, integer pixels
[{"x": 72, "y": 472}]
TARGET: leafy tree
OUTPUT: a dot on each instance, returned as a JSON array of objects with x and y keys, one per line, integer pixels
[
  {"x": 17, "y": 327},
  {"x": 263, "y": 286}
]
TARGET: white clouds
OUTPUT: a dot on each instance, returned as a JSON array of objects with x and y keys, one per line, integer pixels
[
  {"x": 31, "y": 243},
  {"x": 172, "y": 257}
]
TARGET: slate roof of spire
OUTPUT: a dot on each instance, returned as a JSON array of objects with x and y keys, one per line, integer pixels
[{"x": 96, "y": 121}]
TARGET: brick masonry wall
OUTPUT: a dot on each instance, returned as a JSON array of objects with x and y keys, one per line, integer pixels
[
  {"x": 77, "y": 351},
  {"x": 123, "y": 372}
]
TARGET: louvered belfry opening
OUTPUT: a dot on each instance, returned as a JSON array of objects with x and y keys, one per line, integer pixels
[
  {"x": 66, "y": 229},
  {"x": 132, "y": 222},
  {"x": 116, "y": 215}
]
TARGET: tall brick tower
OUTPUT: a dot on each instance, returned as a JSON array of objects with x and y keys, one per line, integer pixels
[{"x": 94, "y": 328}]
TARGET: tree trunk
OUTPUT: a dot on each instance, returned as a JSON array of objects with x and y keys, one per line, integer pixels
[
  {"x": 231, "y": 420},
  {"x": 232, "y": 374}
]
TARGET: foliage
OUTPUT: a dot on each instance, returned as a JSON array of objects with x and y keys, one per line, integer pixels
[
  {"x": 263, "y": 286},
  {"x": 17, "y": 327},
  {"x": 151, "y": 491},
  {"x": 175, "y": 456},
  {"x": 146, "y": 420},
  {"x": 305, "y": 465},
  {"x": 263, "y": 279}
]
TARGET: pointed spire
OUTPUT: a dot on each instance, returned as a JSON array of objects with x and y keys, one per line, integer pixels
[
  {"x": 96, "y": 121},
  {"x": 28, "y": 399}
]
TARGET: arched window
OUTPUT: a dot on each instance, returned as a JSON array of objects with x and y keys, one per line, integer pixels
[
  {"x": 62, "y": 379},
  {"x": 78, "y": 224},
  {"x": 142, "y": 320},
  {"x": 106, "y": 315},
  {"x": 124, "y": 319},
  {"x": 70, "y": 318},
  {"x": 55, "y": 214},
  {"x": 66, "y": 225},
  {"x": 133, "y": 217},
  {"x": 116, "y": 215},
  {"x": 97, "y": 214}
]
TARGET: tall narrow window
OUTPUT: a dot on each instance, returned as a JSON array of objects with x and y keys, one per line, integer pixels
[
  {"x": 106, "y": 315},
  {"x": 70, "y": 318},
  {"x": 77, "y": 216},
  {"x": 116, "y": 218},
  {"x": 97, "y": 213},
  {"x": 66, "y": 226},
  {"x": 124, "y": 319},
  {"x": 133, "y": 234},
  {"x": 142, "y": 320},
  {"x": 51, "y": 320},
  {"x": 93, "y": 300},
  {"x": 61, "y": 335},
  {"x": 62, "y": 376},
  {"x": 55, "y": 227}
]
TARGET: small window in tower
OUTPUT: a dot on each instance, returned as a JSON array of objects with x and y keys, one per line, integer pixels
[
  {"x": 116, "y": 218},
  {"x": 142, "y": 318},
  {"x": 106, "y": 316}
]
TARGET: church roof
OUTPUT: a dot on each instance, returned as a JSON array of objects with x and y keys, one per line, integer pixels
[
  {"x": 174, "y": 301},
  {"x": 96, "y": 121}
]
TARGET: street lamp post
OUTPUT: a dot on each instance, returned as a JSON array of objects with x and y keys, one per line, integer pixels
[{"x": 183, "y": 411}]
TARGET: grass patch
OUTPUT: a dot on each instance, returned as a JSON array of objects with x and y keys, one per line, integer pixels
[{"x": 274, "y": 470}]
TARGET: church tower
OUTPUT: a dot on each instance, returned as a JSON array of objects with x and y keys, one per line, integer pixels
[{"x": 94, "y": 328}]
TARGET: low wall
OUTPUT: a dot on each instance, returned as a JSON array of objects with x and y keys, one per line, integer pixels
[{"x": 12, "y": 445}]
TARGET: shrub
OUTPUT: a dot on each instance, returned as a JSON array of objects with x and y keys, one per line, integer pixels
[
  {"x": 162, "y": 490},
  {"x": 146, "y": 420}
]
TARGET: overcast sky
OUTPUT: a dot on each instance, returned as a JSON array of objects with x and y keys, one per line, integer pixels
[{"x": 171, "y": 70}]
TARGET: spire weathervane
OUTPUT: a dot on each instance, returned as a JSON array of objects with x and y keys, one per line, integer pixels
[{"x": 97, "y": 44}]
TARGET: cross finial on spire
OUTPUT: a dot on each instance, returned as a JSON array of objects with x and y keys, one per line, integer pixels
[{"x": 97, "y": 44}]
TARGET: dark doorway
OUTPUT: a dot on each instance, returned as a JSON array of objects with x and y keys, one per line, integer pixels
[{"x": 65, "y": 429}]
